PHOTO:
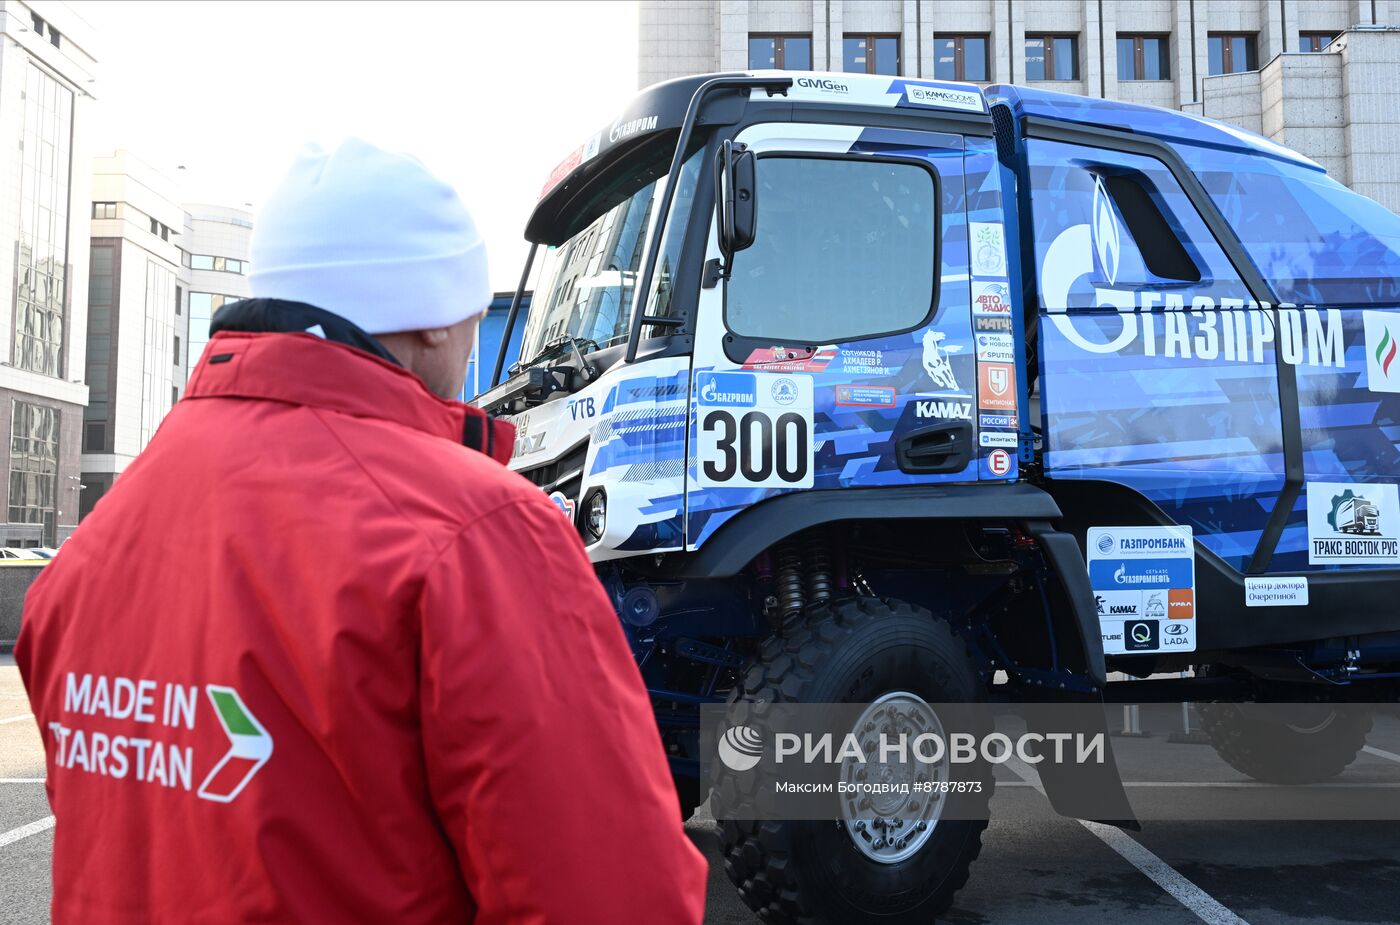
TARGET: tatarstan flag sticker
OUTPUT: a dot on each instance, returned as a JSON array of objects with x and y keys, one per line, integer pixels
[{"x": 250, "y": 743}]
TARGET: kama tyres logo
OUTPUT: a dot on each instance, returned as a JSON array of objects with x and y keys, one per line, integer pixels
[{"x": 740, "y": 748}]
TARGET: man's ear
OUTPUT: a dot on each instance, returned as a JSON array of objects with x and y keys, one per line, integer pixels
[{"x": 433, "y": 337}]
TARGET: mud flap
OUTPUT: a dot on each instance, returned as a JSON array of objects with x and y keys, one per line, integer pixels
[{"x": 1086, "y": 790}]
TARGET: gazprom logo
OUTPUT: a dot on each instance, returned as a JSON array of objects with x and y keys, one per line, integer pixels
[
  {"x": 727, "y": 389},
  {"x": 1108, "y": 240}
]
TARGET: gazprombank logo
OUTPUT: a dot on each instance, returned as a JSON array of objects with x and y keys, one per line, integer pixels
[{"x": 1382, "y": 350}]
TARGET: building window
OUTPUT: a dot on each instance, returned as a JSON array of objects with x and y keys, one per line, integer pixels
[
  {"x": 177, "y": 350},
  {"x": 220, "y": 264},
  {"x": 1232, "y": 54},
  {"x": 38, "y": 22},
  {"x": 1144, "y": 57},
  {"x": 871, "y": 54},
  {"x": 174, "y": 394},
  {"x": 1052, "y": 57},
  {"x": 203, "y": 305},
  {"x": 1315, "y": 41},
  {"x": 155, "y": 227},
  {"x": 783, "y": 52},
  {"x": 54, "y": 37},
  {"x": 94, "y": 436},
  {"x": 103, "y": 271},
  {"x": 961, "y": 57},
  {"x": 179, "y": 300},
  {"x": 34, "y": 467},
  {"x": 104, "y": 210},
  {"x": 41, "y": 270}
]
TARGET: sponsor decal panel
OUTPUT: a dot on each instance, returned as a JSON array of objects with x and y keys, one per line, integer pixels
[
  {"x": 727, "y": 389},
  {"x": 564, "y": 503},
  {"x": 990, "y": 297},
  {"x": 1276, "y": 592},
  {"x": 999, "y": 464},
  {"x": 996, "y": 387},
  {"x": 992, "y": 323},
  {"x": 947, "y": 97},
  {"x": 1353, "y": 523},
  {"x": 1382, "y": 350},
  {"x": 998, "y": 438},
  {"x": 988, "y": 241},
  {"x": 791, "y": 359},
  {"x": 865, "y": 396},
  {"x": 995, "y": 348},
  {"x": 1144, "y": 583},
  {"x": 754, "y": 430},
  {"x": 997, "y": 420}
]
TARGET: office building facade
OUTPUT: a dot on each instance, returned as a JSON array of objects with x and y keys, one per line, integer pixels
[
  {"x": 1321, "y": 76},
  {"x": 47, "y": 81}
]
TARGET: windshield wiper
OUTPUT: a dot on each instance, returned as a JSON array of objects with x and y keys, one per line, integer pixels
[{"x": 555, "y": 347}]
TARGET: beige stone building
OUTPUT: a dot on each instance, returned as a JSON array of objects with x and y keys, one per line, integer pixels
[{"x": 1321, "y": 76}]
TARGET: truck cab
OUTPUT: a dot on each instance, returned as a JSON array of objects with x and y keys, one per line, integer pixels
[{"x": 1074, "y": 385}]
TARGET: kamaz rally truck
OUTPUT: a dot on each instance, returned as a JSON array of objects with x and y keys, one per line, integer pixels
[{"x": 856, "y": 386}]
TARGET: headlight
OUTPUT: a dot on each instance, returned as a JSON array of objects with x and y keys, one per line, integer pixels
[{"x": 595, "y": 515}]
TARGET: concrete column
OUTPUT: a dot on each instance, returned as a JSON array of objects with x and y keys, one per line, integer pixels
[
  {"x": 733, "y": 35},
  {"x": 1003, "y": 63}
]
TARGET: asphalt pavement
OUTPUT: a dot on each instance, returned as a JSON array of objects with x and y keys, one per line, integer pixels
[{"x": 1034, "y": 867}]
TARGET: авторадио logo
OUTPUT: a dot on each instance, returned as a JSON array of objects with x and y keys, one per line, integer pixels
[{"x": 740, "y": 748}]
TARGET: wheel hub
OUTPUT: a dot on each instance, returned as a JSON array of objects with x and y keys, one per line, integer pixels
[{"x": 889, "y": 826}]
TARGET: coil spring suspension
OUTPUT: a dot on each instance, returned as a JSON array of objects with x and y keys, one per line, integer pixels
[
  {"x": 821, "y": 582},
  {"x": 792, "y": 598}
]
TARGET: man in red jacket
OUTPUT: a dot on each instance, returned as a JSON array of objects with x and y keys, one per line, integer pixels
[{"x": 313, "y": 659}]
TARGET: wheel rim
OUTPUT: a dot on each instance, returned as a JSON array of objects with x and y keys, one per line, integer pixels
[{"x": 893, "y": 827}]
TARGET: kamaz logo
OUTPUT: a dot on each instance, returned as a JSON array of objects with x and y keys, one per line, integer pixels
[
  {"x": 822, "y": 83},
  {"x": 961, "y": 410},
  {"x": 1123, "y": 609}
]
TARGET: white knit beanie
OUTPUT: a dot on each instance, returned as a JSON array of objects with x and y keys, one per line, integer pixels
[{"x": 373, "y": 237}]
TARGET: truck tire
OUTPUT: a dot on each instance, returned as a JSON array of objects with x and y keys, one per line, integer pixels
[
  {"x": 808, "y": 872},
  {"x": 1313, "y": 750}
]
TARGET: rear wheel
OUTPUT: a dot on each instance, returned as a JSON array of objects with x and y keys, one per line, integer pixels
[
  {"x": 1279, "y": 744},
  {"x": 907, "y": 863}
]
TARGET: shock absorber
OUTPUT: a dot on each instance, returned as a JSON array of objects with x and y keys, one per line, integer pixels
[
  {"x": 792, "y": 598},
  {"x": 821, "y": 580}
]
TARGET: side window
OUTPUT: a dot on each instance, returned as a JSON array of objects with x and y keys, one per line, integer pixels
[
  {"x": 1110, "y": 224},
  {"x": 1315, "y": 241},
  {"x": 845, "y": 249}
]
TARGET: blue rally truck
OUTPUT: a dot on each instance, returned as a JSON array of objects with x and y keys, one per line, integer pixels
[{"x": 857, "y": 386}]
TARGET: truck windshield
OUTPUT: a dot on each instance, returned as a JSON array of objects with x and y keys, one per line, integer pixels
[{"x": 586, "y": 284}]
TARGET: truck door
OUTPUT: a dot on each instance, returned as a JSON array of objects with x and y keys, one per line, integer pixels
[{"x": 840, "y": 352}]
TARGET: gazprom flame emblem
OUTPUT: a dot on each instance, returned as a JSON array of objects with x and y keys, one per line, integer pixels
[
  {"x": 1107, "y": 240},
  {"x": 740, "y": 748}
]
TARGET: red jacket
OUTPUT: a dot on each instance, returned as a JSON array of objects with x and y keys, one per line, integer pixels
[{"x": 313, "y": 660}]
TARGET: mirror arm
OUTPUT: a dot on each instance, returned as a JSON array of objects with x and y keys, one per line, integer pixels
[{"x": 771, "y": 85}]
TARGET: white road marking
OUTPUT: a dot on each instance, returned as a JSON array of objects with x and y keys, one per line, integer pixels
[
  {"x": 24, "y": 831},
  {"x": 1381, "y": 753},
  {"x": 1205, "y": 906},
  {"x": 21, "y": 780},
  {"x": 16, "y": 719}
]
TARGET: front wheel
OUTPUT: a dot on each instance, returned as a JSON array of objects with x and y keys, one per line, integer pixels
[
  {"x": 903, "y": 867},
  {"x": 1306, "y": 744}
]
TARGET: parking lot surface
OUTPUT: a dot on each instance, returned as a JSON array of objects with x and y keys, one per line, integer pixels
[{"x": 1034, "y": 867}]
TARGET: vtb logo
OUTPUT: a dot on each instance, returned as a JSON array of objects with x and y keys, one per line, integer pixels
[{"x": 1382, "y": 351}]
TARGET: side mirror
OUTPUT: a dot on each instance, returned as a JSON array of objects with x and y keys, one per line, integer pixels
[{"x": 736, "y": 200}]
